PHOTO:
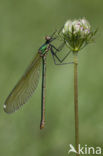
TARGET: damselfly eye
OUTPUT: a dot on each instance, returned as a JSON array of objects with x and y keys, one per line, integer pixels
[{"x": 47, "y": 38}]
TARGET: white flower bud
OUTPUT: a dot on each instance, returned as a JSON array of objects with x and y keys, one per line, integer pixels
[
  {"x": 77, "y": 32},
  {"x": 79, "y": 26},
  {"x": 67, "y": 27}
]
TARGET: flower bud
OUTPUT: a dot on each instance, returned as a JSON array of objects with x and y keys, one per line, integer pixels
[{"x": 77, "y": 33}]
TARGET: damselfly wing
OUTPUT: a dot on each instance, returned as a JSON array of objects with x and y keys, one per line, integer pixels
[{"x": 25, "y": 87}]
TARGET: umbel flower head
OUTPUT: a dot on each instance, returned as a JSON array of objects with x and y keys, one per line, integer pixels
[{"x": 77, "y": 34}]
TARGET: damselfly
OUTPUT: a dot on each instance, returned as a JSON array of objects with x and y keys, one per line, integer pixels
[{"x": 29, "y": 81}]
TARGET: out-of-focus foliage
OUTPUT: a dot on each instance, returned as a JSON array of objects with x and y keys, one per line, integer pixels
[{"x": 23, "y": 25}]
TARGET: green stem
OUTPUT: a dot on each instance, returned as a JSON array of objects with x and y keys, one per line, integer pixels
[{"x": 76, "y": 101}]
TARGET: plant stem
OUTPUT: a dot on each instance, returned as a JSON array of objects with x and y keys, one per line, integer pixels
[{"x": 76, "y": 101}]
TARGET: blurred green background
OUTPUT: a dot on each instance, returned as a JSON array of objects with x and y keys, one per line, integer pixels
[{"x": 23, "y": 25}]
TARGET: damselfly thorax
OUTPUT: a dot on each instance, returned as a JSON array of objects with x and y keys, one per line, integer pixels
[{"x": 45, "y": 47}]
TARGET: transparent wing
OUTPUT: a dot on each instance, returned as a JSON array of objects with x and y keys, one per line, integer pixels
[{"x": 25, "y": 87}]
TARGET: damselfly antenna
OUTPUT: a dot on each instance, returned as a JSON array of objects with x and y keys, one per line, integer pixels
[
  {"x": 53, "y": 33},
  {"x": 60, "y": 30}
]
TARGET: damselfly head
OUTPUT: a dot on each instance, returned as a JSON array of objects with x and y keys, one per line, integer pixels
[{"x": 47, "y": 38}]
